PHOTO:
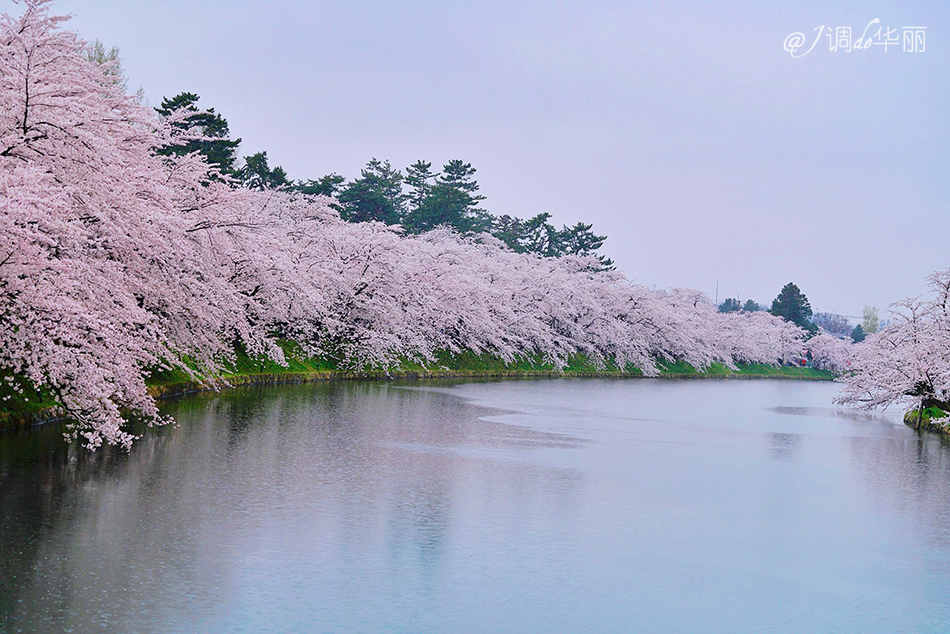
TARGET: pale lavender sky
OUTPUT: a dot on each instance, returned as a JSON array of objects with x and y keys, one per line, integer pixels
[{"x": 684, "y": 132}]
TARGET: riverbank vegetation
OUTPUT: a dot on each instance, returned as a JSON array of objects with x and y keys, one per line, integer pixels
[{"x": 126, "y": 254}]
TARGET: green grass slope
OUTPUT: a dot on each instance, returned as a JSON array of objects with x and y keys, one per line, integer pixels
[{"x": 21, "y": 404}]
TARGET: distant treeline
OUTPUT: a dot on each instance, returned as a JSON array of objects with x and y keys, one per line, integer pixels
[{"x": 419, "y": 199}]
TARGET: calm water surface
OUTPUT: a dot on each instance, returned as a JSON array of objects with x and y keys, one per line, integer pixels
[{"x": 519, "y": 506}]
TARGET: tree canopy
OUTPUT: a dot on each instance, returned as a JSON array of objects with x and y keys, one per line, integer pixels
[
  {"x": 328, "y": 185},
  {"x": 729, "y": 305},
  {"x": 857, "y": 334},
  {"x": 375, "y": 196},
  {"x": 906, "y": 362},
  {"x": 257, "y": 174},
  {"x": 419, "y": 200},
  {"x": 835, "y": 325},
  {"x": 448, "y": 199},
  {"x": 194, "y": 130},
  {"x": 792, "y": 305},
  {"x": 537, "y": 235},
  {"x": 870, "y": 322}
]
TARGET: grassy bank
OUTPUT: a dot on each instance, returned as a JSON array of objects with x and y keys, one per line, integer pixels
[
  {"x": 22, "y": 405},
  {"x": 932, "y": 419}
]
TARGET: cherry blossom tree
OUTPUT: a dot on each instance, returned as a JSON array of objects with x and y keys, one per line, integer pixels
[
  {"x": 100, "y": 280},
  {"x": 829, "y": 352},
  {"x": 908, "y": 362},
  {"x": 760, "y": 337}
]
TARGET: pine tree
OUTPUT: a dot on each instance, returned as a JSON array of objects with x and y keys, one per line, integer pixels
[
  {"x": 375, "y": 196},
  {"x": 452, "y": 202},
  {"x": 257, "y": 174},
  {"x": 202, "y": 131},
  {"x": 792, "y": 304}
]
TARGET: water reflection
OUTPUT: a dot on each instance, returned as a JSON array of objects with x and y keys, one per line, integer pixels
[
  {"x": 525, "y": 506},
  {"x": 833, "y": 412},
  {"x": 329, "y": 463},
  {"x": 784, "y": 446},
  {"x": 910, "y": 474}
]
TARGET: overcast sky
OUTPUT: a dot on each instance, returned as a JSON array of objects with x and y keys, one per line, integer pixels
[{"x": 686, "y": 132}]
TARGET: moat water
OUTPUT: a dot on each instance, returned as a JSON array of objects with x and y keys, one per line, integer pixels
[{"x": 561, "y": 505}]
